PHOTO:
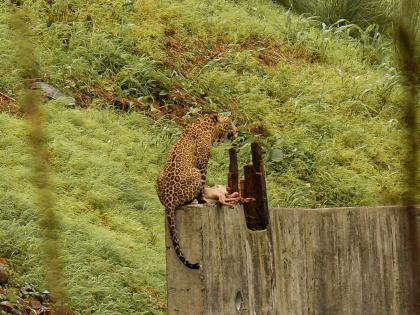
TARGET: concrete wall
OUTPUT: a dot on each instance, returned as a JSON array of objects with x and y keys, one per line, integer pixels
[{"x": 325, "y": 261}]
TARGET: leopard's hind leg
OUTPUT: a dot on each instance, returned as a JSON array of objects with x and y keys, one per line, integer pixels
[{"x": 186, "y": 190}]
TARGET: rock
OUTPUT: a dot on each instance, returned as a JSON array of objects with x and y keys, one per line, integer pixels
[
  {"x": 8, "y": 307},
  {"x": 4, "y": 276},
  {"x": 53, "y": 93},
  {"x": 54, "y": 311},
  {"x": 34, "y": 303},
  {"x": 4, "y": 272}
]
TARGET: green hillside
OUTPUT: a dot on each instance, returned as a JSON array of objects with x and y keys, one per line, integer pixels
[{"x": 325, "y": 105}]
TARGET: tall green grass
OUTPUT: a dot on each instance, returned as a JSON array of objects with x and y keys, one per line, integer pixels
[
  {"x": 103, "y": 167},
  {"x": 367, "y": 20},
  {"x": 360, "y": 12}
]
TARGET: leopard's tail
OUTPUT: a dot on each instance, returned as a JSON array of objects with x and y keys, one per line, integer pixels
[{"x": 170, "y": 214}]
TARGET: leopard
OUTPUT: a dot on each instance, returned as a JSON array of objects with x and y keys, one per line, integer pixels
[{"x": 183, "y": 177}]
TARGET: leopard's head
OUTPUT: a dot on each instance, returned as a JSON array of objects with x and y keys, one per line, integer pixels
[{"x": 224, "y": 128}]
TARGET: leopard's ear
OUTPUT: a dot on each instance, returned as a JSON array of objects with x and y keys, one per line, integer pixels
[{"x": 214, "y": 117}]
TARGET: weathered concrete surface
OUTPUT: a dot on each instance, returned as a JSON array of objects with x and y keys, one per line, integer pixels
[
  {"x": 212, "y": 235},
  {"x": 184, "y": 289},
  {"x": 261, "y": 273},
  {"x": 342, "y": 261},
  {"x": 325, "y": 261}
]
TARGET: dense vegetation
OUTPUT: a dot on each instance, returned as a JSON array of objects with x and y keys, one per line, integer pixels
[
  {"x": 326, "y": 105},
  {"x": 361, "y": 12}
]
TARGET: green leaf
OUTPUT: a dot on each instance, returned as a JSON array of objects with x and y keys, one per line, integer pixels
[{"x": 276, "y": 155}]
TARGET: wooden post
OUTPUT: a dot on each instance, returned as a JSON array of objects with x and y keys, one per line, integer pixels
[
  {"x": 256, "y": 212},
  {"x": 260, "y": 191},
  {"x": 233, "y": 176},
  {"x": 242, "y": 187},
  {"x": 250, "y": 209}
]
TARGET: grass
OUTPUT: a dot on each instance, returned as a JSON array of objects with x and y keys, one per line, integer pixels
[
  {"x": 111, "y": 219},
  {"x": 327, "y": 108},
  {"x": 360, "y": 12}
]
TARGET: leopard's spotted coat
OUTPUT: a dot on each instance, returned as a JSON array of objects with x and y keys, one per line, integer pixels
[{"x": 184, "y": 174}]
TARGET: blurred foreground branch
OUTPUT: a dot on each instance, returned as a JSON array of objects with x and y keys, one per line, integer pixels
[
  {"x": 406, "y": 35},
  {"x": 48, "y": 220}
]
